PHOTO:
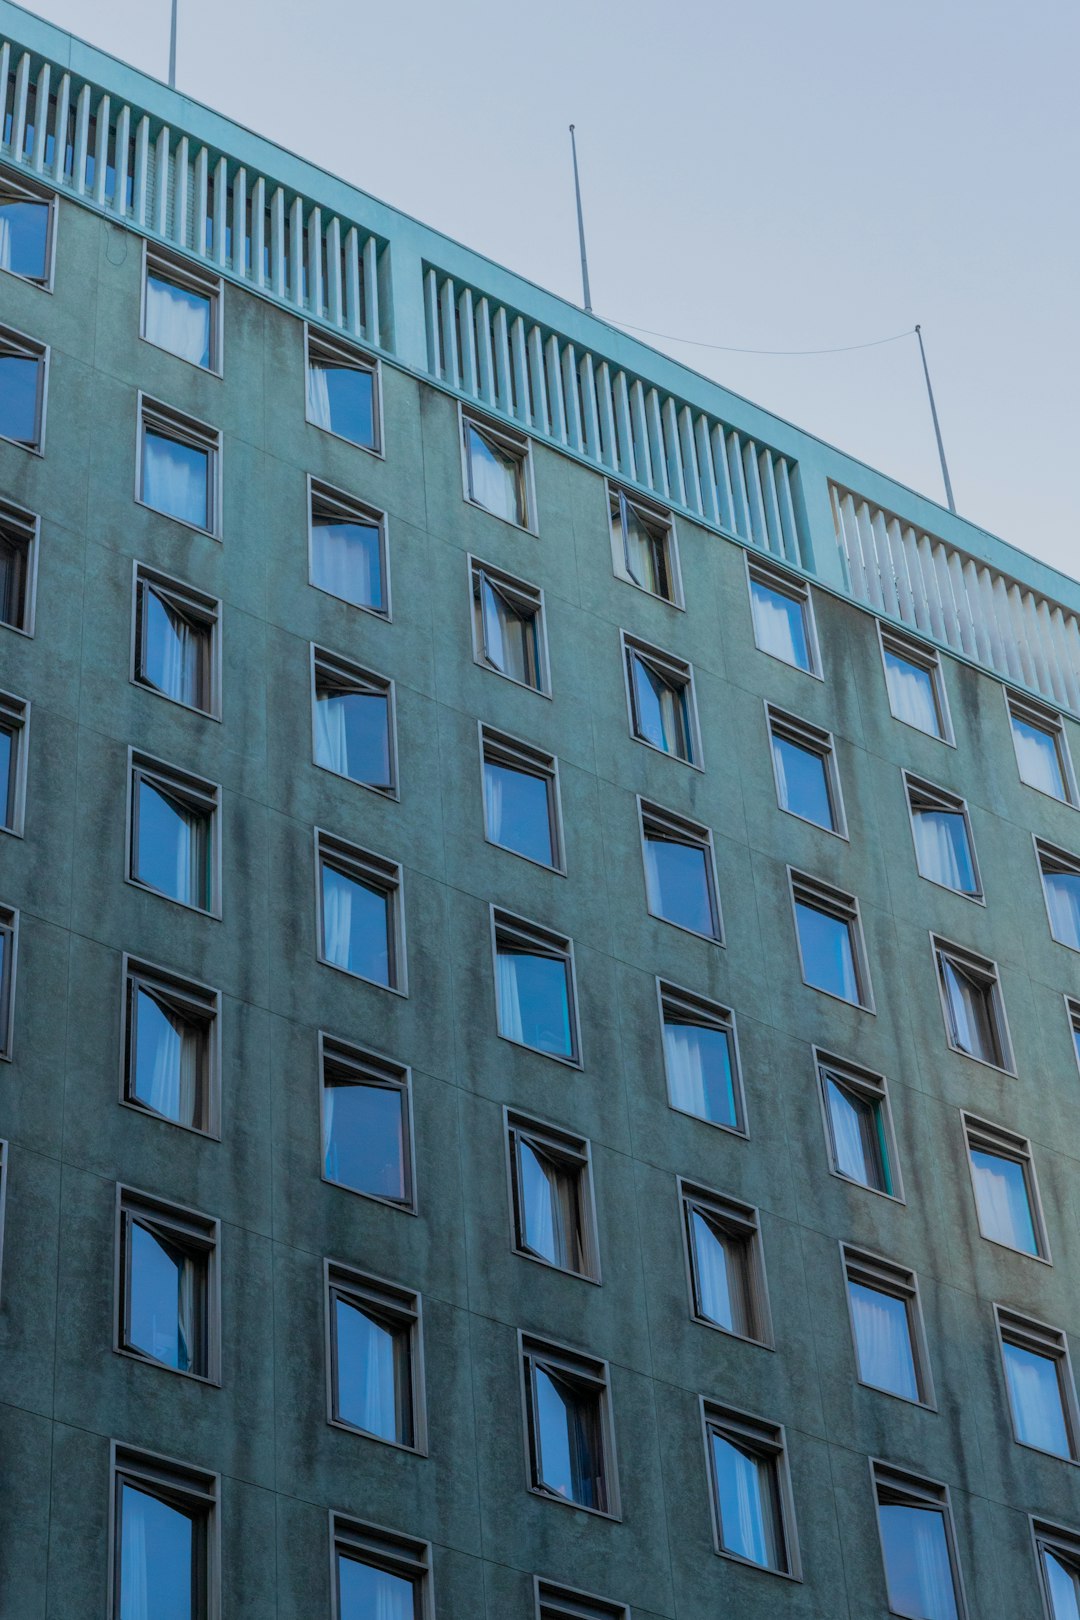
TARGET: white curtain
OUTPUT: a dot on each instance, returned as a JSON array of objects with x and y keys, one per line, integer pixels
[
  {"x": 1002, "y": 1195},
  {"x": 366, "y": 1372},
  {"x": 344, "y": 565},
  {"x": 917, "y": 1563},
  {"x": 744, "y": 1502},
  {"x": 883, "y": 1340},
  {"x": 539, "y": 1205},
  {"x": 170, "y": 649},
  {"x": 318, "y": 396},
  {"x": 493, "y": 478},
  {"x": 494, "y": 802},
  {"x": 939, "y": 835},
  {"x": 911, "y": 694},
  {"x": 968, "y": 1015},
  {"x": 773, "y": 615},
  {"x": 508, "y": 995},
  {"x": 1036, "y": 1400},
  {"x": 187, "y": 1281},
  {"x": 331, "y": 1165},
  {"x": 1063, "y": 901},
  {"x": 368, "y": 1593},
  {"x": 338, "y": 895},
  {"x": 168, "y": 1082},
  {"x": 174, "y": 479},
  {"x": 5, "y": 243},
  {"x": 331, "y": 737},
  {"x": 686, "y": 1069},
  {"x": 721, "y": 1280},
  {"x": 189, "y": 840},
  {"x": 1037, "y": 758},
  {"x": 656, "y": 704},
  {"x": 1064, "y": 1586},
  {"x": 134, "y": 1587},
  {"x": 854, "y": 1136},
  {"x": 177, "y": 320},
  {"x": 493, "y": 610}
]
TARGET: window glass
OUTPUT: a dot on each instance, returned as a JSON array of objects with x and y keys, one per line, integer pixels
[
  {"x": 517, "y": 810},
  {"x": 179, "y": 319},
  {"x": 1063, "y": 1585},
  {"x": 1035, "y": 1394},
  {"x": 970, "y": 1014},
  {"x": 748, "y": 1503},
  {"x": 643, "y": 546},
  {"x": 14, "y": 572},
  {"x": 828, "y": 953},
  {"x": 678, "y": 879},
  {"x": 7, "y": 775},
  {"x": 346, "y": 560},
  {"x": 661, "y": 709},
  {"x": 701, "y": 1070},
  {"x": 533, "y": 992},
  {"x": 165, "y": 1303},
  {"x": 511, "y": 644},
  {"x": 174, "y": 649},
  {"x": 356, "y": 925},
  {"x": 912, "y": 693},
  {"x": 918, "y": 1565},
  {"x": 1038, "y": 757},
  {"x": 364, "y": 1134},
  {"x": 19, "y": 397},
  {"x": 176, "y": 478},
  {"x": 341, "y": 398},
  {"x": 161, "y": 1549},
  {"x": 170, "y": 1060},
  {"x": 352, "y": 731},
  {"x": 1063, "y": 903},
  {"x": 780, "y": 624},
  {"x": 368, "y": 1593},
  {"x": 496, "y": 476},
  {"x": 802, "y": 778},
  {"x": 722, "y": 1275},
  {"x": 943, "y": 848},
  {"x": 172, "y": 847},
  {"x": 24, "y": 237},
  {"x": 1004, "y": 1203},
  {"x": 568, "y": 1439},
  {"x": 883, "y": 1340},
  {"x": 550, "y": 1206},
  {"x": 857, "y": 1131},
  {"x": 374, "y": 1372}
]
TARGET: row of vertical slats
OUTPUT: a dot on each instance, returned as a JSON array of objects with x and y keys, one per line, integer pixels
[
  {"x": 952, "y": 598},
  {"x": 191, "y": 199},
  {"x": 627, "y": 427}
]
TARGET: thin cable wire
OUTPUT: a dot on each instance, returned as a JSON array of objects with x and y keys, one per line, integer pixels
[{"x": 727, "y": 348}]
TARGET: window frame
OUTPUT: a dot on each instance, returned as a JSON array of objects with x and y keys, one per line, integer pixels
[
  {"x": 743, "y": 1221},
  {"x": 653, "y": 516},
  {"x": 583, "y": 1369},
  {"x": 380, "y": 872},
  {"x": 21, "y": 346},
  {"x": 554, "y": 1601},
  {"x": 9, "y": 929},
  {"x": 674, "y": 671},
  {"x": 1072, "y": 1013},
  {"x": 196, "y": 604},
  {"x": 169, "y": 423},
  {"x": 1059, "y": 1540},
  {"x": 972, "y": 962},
  {"x": 802, "y": 885},
  {"x": 350, "y": 510},
  {"x": 23, "y": 527},
  {"x": 189, "y": 1229},
  {"x": 520, "y": 594},
  {"x": 195, "y": 1001},
  {"x": 385, "y": 1549},
  {"x": 916, "y": 1490},
  {"x": 1022, "y": 706},
  {"x": 555, "y": 945},
  {"x": 1028, "y": 1333},
  {"x": 559, "y": 1144},
  {"x": 812, "y": 740},
  {"x": 756, "y": 1432},
  {"x": 508, "y": 439},
  {"x": 15, "y": 718},
  {"x": 5, "y": 1155},
  {"x": 717, "y": 1017},
  {"x": 337, "y": 666},
  {"x": 23, "y": 190},
  {"x": 884, "y": 1276},
  {"x": 1002, "y": 1143},
  {"x": 871, "y": 1087},
  {"x": 692, "y": 834},
  {"x": 353, "y": 358},
  {"x": 395, "y": 1304},
  {"x": 386, "y": 1072},
  {"x": 531, "y": 761},
  {"x": 768, "y": 573},
  {"x": 925, "y": 657},
  {"x": 192, "y": 277},
  {"x": 1066, "y": 864},
  {"x": 177, "y": 1482},
  {"x": 198, "y": 793},
  {"x": 938, "y": 798}
]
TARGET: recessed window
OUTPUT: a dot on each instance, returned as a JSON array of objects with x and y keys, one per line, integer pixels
[
  {"x": 24, "y": 366},
  {"x": 918, "y": 1546},
  {"x": 508, "y": 627},
  {"x": 379, "y": 1575},
  {"x": 1073, "y": 1009},
  {"x": 551, "y": 1187},
  {"x": 701, "y": 1058},
  {"x": 171, "y": 1047},
  {"x": 858, "y": 1126},
  {"x": 165, "y": 1554},
  {"x": 168, "y": 1306},
  {"x": 182, "y": 309},
  {"x": 534, "y": 987},
  {"x": 174, "y": 842},
  {"x": 829, "y": 933},
  {"x": 913, "y": 680},
  {"x": 1058, "y": 1553},
  {"x": 27, "y": 228},
  {"x": 568, "y": 1406},
  {"x": 347, "y": 549},
  {"x": 498, "y": 470},
  {"x": 944, "y": 849},
  {"x": 1006, "y": 1192},
  {"x": 886, "y": 1325},
  {"x": 663, "y": 712},
  {"x": 973, "y": 1006},
  {"x": 179, "y": 466},
  {"x": 753, "y": 1511},
  {"x": 1061, "y": 887},
  {"x": 643, "y": 545},
  {"x": 18, "y": 567},
  {"x": 176, "y": 650},
  {"x": 9, "y": 941},
  {"x": 521, "y": 799},
  {"x": 376, "y": 1382},
  {"x": 727, "y": 1271},
  {"x": 1042, "y": 752},
  {"x": 680, "y": 875},
  {"x": 342, "y": 391},
  {"x": 14, "y": 743},
  {"x": 563, "y": 1603},
  {"x": 361, "y": 922},
  {"x": 353, "y": 721},
  {"x": 366, "y": 1123},
  {"x": 1039, "y": 1380},
  {"x": 783, "y": 616},
  {"x": 804, "y": 765}
]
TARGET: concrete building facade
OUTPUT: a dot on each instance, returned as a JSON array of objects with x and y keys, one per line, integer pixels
[{"x": 539, "y": 910}]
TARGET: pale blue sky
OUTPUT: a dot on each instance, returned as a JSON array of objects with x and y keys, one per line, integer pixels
[{"x": 779, "y": 176}]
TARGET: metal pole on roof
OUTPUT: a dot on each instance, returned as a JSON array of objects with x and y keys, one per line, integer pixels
[
  {"x": 937, "y": 425},
  {"x": 581, "y": 229},
  {"x": 172, "y": 48}
]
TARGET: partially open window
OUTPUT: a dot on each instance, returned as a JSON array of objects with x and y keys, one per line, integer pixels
[
  {"x": 498, "y": 470},
  {"x": 361, "y": 920},
  {"x": 182, "y": 309},
  {"x": 376, "y": 1383},
  {"x": 176, "y": 646},
  {"x": 508, "y": 627},
  {"x": 551, "y": 1186},
  {"x": 179, "y": 466},
  {"x": 701, "y": 1058},
  {"x": 342, "y": 390},
  {"x": 663, "y": 711},
  {"x": 366, "y": 1123},
  {"x": 534, "y": 987},
  {"x": 973, "y": 1006},
  {"x": 643, "y": 544},
  {"x": 571, "y": 1451},
  {"x": 727, "y": 1270},
  {"x": 27, "y": 230},
  {"x": 753, "y": 1511}
]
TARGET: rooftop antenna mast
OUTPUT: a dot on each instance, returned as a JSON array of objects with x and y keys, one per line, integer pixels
[
  {"x": 937, "y": 425},
  {"x": 580, "y": 227},
  {"x": 172, "y": 48}
]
